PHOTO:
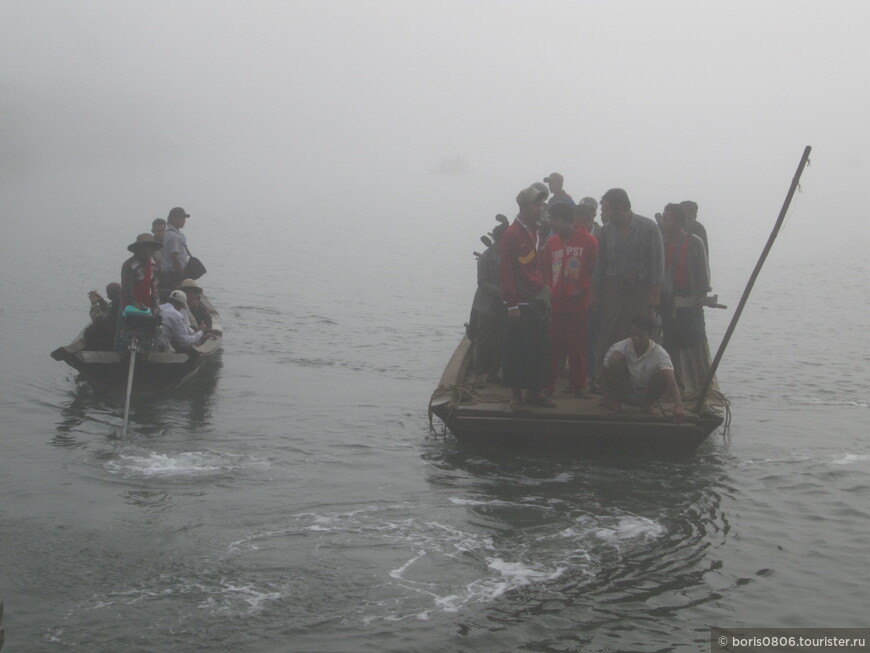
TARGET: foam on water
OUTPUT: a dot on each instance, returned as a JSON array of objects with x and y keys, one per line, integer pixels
[
  {"x": 850, "y": 458},
  {"x": 217, "y": 596},
  {"x": 475, "y": 566},
  {"x": 151, "y": 464},
  {"x": 627, "y": 528}
]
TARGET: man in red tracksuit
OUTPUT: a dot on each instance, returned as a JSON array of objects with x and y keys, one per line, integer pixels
[
  {"x": 526, "y": 356},
  {"x": 569, "y": 257}
]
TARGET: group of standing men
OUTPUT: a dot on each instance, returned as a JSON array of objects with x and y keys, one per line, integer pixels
[{"x": 595, "y": 294}]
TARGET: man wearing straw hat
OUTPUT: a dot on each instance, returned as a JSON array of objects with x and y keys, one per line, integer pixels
[{"x": 138, "y": 273}]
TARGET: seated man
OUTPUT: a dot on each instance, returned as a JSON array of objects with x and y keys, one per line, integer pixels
[
  {"x": 174, "y": 328},
  {"x": 637, "y": 371},
  {"x": 100, "y": 333},
  {"x": 100, "y": 306},
  {"x": 197, "y": 312}
]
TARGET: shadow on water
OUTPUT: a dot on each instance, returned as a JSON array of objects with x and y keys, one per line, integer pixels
[
  {"x": 612, "y": 552},
  {"x": 192, "y": 403}
]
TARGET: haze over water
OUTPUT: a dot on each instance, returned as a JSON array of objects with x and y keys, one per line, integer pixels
[{"x": 294, "y": 498}]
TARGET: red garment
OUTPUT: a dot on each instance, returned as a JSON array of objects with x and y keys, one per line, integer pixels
[
  {"x": 568, "y": 336},
  {"x": 677, "y": 259},
  {"x": 142, "y": 287},
  {"x": 520, "y": 266},
  {"x": 568, "y": 270}
]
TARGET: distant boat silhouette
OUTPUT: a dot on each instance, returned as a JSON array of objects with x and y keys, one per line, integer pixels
[{"x": 451, "y": 166}]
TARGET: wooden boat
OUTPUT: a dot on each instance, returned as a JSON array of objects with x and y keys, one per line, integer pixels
[
  {"x": 482, "y": 415},
  {"x": 155, "y": 372}
]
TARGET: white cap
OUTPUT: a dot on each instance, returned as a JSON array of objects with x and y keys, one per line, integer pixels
[{"x": 179, "y": 296}]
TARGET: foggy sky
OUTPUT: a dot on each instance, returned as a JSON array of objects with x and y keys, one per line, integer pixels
[{"x": 275, "y": 107}]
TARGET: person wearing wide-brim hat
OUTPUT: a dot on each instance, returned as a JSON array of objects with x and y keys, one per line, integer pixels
[
  {"x": 138, "y": 273},
  {"x": 190, "y": 286},
  {"x": 197, "y": 311}
]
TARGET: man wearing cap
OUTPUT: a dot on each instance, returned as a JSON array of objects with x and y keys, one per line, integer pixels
[
  {"x": 525, "y": 361},
  {"x": 138, "y": 278},
  {"x": 556, "y": 182},
  {"x": 174, "y": 327},
  {"x": 175, "y": 252},
  {"x": 629, "y": 270}
]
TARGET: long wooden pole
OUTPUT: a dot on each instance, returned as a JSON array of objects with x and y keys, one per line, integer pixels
[
  {"x": 129, "y": 389},
  {"x": 794, "y": 184}
]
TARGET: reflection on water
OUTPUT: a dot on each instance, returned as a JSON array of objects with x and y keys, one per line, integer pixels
[{"x": 189, "y": 407}]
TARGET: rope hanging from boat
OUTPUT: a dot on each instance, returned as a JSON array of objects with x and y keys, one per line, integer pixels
[{"x": 460, "y": 393}]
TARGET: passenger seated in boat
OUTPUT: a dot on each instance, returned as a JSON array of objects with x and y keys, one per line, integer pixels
[
  {"x": 199, "y": 315},
  {"x": 174, "y": 327},
  {"x": 100, "y": 333},
  {"x": 100, "y": 306},
  {"x": 637, "y": 371}
]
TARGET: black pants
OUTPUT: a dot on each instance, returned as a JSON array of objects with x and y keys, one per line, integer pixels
[
  {"x": 526, "y": 356},
  {"x": 488, "y": 343}
]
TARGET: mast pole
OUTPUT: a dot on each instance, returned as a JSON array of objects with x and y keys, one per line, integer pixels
[{"x": 699, "y": 405}]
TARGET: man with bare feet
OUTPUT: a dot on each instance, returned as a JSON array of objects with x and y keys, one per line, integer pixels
[{"x": 637, "y": 371}]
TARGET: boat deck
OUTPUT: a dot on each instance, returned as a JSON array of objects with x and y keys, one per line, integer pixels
[{"x": 483, "y": 413}]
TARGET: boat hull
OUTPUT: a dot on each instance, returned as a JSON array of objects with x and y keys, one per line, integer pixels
[
  {"x": 482, "y": 416},
  {"x": 155, "y": 372}
]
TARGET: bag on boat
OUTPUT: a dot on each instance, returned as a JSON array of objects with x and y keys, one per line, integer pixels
[{"x": 194, "y": 269}]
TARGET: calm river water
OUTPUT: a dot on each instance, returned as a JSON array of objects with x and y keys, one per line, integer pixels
[{"x": 294, "y": 498}]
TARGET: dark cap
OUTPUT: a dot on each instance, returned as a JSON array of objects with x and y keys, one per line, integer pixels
[{"x": 178, "y": 212}]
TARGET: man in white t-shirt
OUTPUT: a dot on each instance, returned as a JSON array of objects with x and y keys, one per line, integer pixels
[
  {"x": 637, "y": 371},
  {"x": 175, "y": 328}
]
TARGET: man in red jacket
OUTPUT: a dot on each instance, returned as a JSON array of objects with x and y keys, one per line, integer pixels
[
  {"x": 569, "y": 257},
  {"x": 526, "y": 349}
]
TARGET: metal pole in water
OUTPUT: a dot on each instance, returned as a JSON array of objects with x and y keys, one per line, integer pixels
[
  {"x": 129, "y": 389},
  {"x": 699, "y": 405}
]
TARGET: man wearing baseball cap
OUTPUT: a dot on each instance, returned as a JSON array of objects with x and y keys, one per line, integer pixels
[
  {"x": 526, "y": 348},
  {"x": 556, "y": 183},
  {"x": 175, "y": 252}
]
